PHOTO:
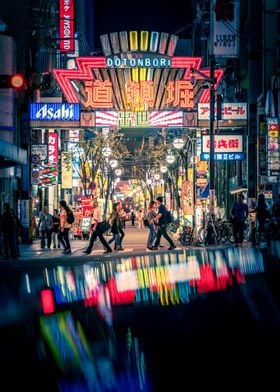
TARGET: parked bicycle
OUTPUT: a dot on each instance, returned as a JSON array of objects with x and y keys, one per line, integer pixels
[
  {"x": 211, "y": 233},
  {"x": 186, "y": 236}
]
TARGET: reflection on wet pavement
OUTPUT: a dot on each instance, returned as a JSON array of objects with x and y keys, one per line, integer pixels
[{"x": 114, "y": 325}]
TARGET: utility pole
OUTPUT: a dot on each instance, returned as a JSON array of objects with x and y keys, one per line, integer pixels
[{"x": 212, "y": 137}]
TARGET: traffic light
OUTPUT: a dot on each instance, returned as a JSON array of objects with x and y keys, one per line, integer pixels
[
  {"x": 16, "y": 81},
  {"x": 224, "y": 10}
]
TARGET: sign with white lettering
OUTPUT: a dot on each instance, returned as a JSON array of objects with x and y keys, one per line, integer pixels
[
  {"x": 54, "y": 111},
  {"x": 138, "y": 60},
  {"x": 66, "y": 26},
  {"x": 240, "y": 156}
]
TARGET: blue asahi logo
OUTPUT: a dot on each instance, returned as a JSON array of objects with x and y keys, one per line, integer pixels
[{"x": 55, "y": 111}]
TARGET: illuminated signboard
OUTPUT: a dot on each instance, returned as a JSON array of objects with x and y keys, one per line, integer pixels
[
  {"x": 177, "y": 92},
  {"x": 54, "y": 111},
  {"x": 226, "y": 148},
  {"x": 230, "y": 111},
  {"x": 223, "y": 143},
  {"x": 239, "y": 156},
  {"x": 139, "y": 119},
  {"x": 66, "y": 26},
  {"x": 138, "y": 60}
]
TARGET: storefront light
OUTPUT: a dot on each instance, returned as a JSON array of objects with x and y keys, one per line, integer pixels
[{"x": 118, "y": 172}]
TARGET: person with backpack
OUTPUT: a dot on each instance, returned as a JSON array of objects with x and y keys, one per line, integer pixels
[
  {"x": 66, "y": 220},
  {"x": 161, "y": 221}
]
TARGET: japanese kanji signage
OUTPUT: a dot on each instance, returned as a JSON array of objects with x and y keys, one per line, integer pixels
[
  {"x": 138, "y": 119},
  {"x": 140, "y": 95},
  {"x": 273, "y": 149},
  {"x": 223, "y": 144},
  {"x": 53, "y": 148},
  {"x": 226, "y": 148},
  {"x": 66, "y": 25},
  {"x": 66, "y": 170},
  {"x": 230, "y": 111}
]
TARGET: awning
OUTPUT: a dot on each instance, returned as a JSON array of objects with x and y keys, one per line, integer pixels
[
  {"x": 11, "y": 155},
  {"x": 238, "y": 190}
]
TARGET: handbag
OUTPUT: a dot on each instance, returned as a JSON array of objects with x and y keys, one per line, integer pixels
[
  {"x": 104, "y": 226},
  {"x": 146, "y": 222}
]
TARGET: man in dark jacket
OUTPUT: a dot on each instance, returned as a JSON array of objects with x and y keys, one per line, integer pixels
[
  {"x": 161, "y": 221},
  {"x": 239, "y": 214}
]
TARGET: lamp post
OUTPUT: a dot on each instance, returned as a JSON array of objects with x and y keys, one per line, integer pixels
[
  {"x": 212, "y": 139},
  {"x": 211, "y": 82}
]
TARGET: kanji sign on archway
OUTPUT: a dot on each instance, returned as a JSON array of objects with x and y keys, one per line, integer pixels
[{"x": 138, "y": 73}]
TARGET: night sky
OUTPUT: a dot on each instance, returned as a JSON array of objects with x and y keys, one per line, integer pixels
[{"x": 154, "y": 15}]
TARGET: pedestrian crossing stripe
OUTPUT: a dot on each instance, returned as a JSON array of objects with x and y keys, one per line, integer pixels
[{"x": 101, "y": 252}]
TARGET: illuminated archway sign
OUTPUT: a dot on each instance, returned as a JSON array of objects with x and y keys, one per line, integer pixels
[{"x": 145, "y": 86}]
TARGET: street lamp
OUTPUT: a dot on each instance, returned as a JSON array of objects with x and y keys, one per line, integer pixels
[
  {"x": 170, "y": 159},
  {"x": 178, "y": 143},
  {"x": 211, "y": 81},
  {"x": 163, "y": 169},
  {"x": 113, "y": 163}
]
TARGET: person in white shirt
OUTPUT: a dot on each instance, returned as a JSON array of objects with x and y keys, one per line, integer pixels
[{"x": 96, "y": 230}]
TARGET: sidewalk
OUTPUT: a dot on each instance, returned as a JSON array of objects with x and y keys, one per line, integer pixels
[{"x": 135, "y": 240}]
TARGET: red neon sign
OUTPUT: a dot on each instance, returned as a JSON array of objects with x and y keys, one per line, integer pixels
[{"x": 177, "y": 94}]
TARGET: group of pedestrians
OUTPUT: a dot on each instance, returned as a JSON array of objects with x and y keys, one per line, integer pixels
[
  {"x": 239, "y": 214},
  {"x": 54, "y": 229}
]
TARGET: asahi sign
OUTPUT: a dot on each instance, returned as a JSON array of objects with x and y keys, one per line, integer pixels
[{"x": 54, "y": 111}]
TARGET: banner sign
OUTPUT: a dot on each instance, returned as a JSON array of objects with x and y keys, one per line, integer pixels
[
  {"x": 223, "y": 143},
  {"x": 54, "y": 112},
  {"x": 240, "y": 156},
  {"x": 225, "y": 28},
  {"x": 139, "y": 119},
  {"x": 230, "y": 111},
  {"x": 273, "y": 149},
  {"x": 66, "y": 170},
  {"x": 66, "y": 26},
  {"x": 53, "y": 148}
]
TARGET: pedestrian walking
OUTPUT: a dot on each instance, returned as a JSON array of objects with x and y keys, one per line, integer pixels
[
  {"x": 239, "y": 214},
  {"x": 122, "y": 215},
  {"x": 96, "y": 230},
  {"x": 55, "y": 229},
  {"x": 161, "y": 221},
  {"x": 140, "y": 221},
  {"x": 263, "y": 214},
  {"x": 115, "y": 226},
  {"x": 132, "y": 217},
  {"x": 65, "y": 226},
  {"x": 45, "y": 227},
  {"x": 151, "y": 214}
]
